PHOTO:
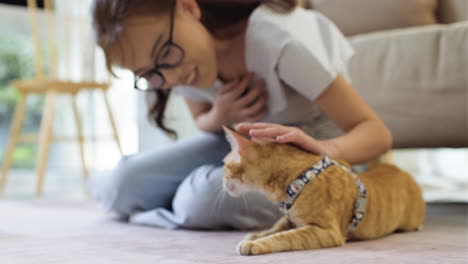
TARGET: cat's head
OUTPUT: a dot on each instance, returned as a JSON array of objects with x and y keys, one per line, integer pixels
[{"x": 256, "y": 165}]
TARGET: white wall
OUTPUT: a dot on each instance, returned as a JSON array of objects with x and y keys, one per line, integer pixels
[{"x": 178, "y": 118}]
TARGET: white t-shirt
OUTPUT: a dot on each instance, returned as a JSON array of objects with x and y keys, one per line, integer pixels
[{"x": 298, "y": 54}]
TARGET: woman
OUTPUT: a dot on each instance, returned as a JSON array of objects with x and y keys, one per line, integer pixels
[{"x": 233, "y": 62}]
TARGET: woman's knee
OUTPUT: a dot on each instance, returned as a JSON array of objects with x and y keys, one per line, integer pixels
[
  {"x": 112, "y": 188},
  {"x": 196, "y": 197},
  {"x": 132, "y": 186}
]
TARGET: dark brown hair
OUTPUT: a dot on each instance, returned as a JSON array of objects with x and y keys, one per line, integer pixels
[{"x": 217, "y": 17}]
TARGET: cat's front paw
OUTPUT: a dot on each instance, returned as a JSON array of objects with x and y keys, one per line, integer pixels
[{"x": 246, "y": 247}]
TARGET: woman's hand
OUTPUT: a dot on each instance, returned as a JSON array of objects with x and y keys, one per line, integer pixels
[
  {"x": 235, "y": 102},
  {"x": 285, "y": 134}
]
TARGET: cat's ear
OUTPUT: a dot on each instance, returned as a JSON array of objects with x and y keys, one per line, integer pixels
[{"x": 238, "y": 142}]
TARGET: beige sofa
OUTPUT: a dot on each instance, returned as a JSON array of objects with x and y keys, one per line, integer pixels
[{"x": 416, "y": 77}]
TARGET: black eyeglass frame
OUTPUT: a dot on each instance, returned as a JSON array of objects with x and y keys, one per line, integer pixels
[{"x": 155, "y": 70}]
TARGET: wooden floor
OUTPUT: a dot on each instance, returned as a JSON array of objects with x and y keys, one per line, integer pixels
[{"x": 45, "y": 231}]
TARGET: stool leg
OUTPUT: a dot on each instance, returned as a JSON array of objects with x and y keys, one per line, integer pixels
[
  {"x": 79, "y": 128},
  {"x": 112, "y": 121},
  {"x": 15, "y": 132},
  {"x": 45, "y": 137}
]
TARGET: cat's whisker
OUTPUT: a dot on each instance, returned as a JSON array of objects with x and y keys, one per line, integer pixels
[
  {"x": 219, "y": 200},
  {"x": 218, "y": 196},
  {"x": 240, "y": 205},
  {"x": 246, "y": 206}
]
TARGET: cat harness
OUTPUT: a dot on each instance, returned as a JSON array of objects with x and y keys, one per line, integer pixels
[{"x": 297, "y": 185}]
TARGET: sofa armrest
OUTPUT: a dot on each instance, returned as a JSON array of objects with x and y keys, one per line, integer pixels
[{"x": 417, "y": 81}]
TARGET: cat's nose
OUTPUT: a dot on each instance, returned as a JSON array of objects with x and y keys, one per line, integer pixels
[{"x": 229, "y": 186}]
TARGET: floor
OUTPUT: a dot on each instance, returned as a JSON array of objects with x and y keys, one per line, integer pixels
[{"x": 45, "y": 231}]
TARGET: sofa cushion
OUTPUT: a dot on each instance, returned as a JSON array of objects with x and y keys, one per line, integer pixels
[
  {"x": 416, "y": 80},
  {"x": 451, "y": 11},
  {"x": 363, "y": 16}
]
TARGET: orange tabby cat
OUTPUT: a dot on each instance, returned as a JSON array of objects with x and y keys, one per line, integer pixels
[{"x": 320, "y": 215}]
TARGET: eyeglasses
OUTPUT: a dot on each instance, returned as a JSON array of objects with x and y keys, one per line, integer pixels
[{"x": 168, "y": 57}]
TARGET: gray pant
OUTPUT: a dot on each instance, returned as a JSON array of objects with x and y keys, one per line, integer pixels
[{"x": 180, "y": 186}]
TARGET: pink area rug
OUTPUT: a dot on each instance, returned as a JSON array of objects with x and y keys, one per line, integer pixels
[{"x": 47, "y": 232}]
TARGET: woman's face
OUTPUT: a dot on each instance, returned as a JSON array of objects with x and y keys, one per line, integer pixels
[{"x": 143, "y": 38}]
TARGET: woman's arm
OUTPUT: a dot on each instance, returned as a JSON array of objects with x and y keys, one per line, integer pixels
[{"x": 366, "y": 135}]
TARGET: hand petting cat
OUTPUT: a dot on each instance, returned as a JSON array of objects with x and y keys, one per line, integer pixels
[{"x": 286, "y": 134}]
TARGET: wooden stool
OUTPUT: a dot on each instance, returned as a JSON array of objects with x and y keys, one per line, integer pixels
[{"x": 50, "y": 87}]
